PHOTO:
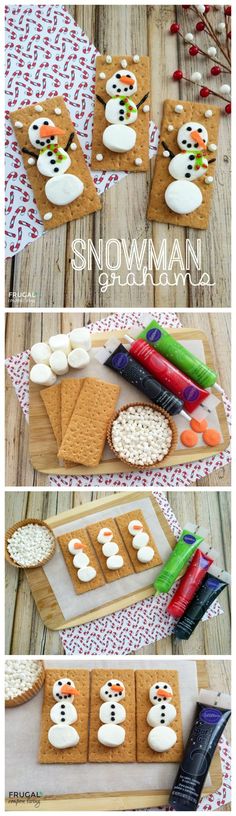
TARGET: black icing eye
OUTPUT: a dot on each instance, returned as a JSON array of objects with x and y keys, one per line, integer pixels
[
  {"x": 183, "y": 141},
  {"x": 157, "y": 687},
  {"x": 46, "y": 122},
  {"x": 118, "y": 76},
  {"x": 129, "y": 75},
  {"x": 188, "y": 128},
  {"x": 199, "y": 130},
  {"x": 59, "y": 683},
  {"x": 35, "y": 127},
  {"x": 68, "y": 682},
  {"x": 165, "y": 687},
  {"x": 109, "y": 684}
]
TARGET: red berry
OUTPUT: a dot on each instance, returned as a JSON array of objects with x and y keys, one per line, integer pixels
[
  {"x": 204, "y": 92},
  {"x": 177, "y": 75},
  {"x": 229, "y": 35},
  {"x": 228, "y": 11},
  {"x": 193, "y": 51},
  {"x": 185, "y": 7},
  {"x": 174, "y": 28},
  {"x": 216, "y": 70},
  {"x": 200, "y": 26},
  {"x": 207, "y": 8},
  {"x": 228, "y": 108}
]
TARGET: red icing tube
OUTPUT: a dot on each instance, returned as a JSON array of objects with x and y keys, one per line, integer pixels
[
  {"x": 167, "y": 374},
  {"x": 189, "y": 584}
]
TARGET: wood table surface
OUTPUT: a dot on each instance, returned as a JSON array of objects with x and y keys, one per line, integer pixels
[
  {"x": 25, "y": 632},
  {"x": 45, "y": 267},
  {"x": 24, "y": 329}
]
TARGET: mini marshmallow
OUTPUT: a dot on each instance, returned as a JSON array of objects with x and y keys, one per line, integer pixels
[
  {"x": 212, "y": 147},
  {"x": 40, "y": 353},
  {"x": 140, "y": 540},
  {"x": 80, "y": 338},
  {"x": 115, "y": 562},
  {"x": 60, "y": 342},
  {"x": 20, "y": 676},
  {"x": 58, "y": 362},
  {"x": 145, "y": 555},
  {"x": 41, "y": 374},
  {"x": 30, "y": 544},
  {"x": 189, "y": 37},
  {"x": 110, "y": 548},
  {"x": 78, "y": 358}
]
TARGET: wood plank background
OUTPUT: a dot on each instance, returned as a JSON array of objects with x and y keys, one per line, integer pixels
[
  {"x": 44, "y": 266},
  {"x": 25, "y": 632},
  {"x": 24, "y": 329}
]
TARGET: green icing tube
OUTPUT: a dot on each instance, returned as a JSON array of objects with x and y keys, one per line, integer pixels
[
  {"x": 156, "y": 336},
  {"x": 182, "y": 552}
]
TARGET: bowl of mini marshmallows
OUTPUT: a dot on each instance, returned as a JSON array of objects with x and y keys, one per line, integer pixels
[
  {"x": 23, "y": 679},
  {"x": 142, "y": 435},
  {"x": 29, "y": 543}
]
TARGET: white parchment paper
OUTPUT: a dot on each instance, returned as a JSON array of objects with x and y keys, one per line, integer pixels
[
  {"x": 58, "y": 576},
  {"x": 23, "y": 772}
]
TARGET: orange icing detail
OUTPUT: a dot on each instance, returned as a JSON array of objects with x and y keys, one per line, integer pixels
[
  {"x": 211, "y": 437},
  {"x": 163, "y": 693},
  {"x": 51, "y": 130},
  {"x": 199, "y": 425},
  {"x": 79, "y": 546},
  {"x": 69, "y": 690},
  {"x": 117, "y": 688},
  {"x": 197, "y": 138},
  {"x": 189, "y": 438},
  {"x": 127, "y": 80}
]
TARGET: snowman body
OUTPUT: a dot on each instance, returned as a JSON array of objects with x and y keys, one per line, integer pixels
[
  {"x": 63, "y": 713},
  {"x": 120, "y": 111},
  {"x": 111, "y": 714},
  {"x": 182, "y": 196},
  {"x": 53, "y": 162}
]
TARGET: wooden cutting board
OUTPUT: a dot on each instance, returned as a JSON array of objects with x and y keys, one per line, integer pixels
[
  {"x": 127, "y": 800},
  {"x": 43, "y": 446}
]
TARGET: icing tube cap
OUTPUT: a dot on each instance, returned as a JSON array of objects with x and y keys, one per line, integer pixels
[{"x": 215, "y": 698}]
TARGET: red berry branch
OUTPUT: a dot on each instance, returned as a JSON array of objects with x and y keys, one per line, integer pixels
[{"x": 211, "y": 54}]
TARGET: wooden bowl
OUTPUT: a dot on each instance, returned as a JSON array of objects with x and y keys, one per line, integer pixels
[
  {"x": 154, "y": 408},
  {"x": 30, "y": 692},
  {"x": 24, "y": 523}
]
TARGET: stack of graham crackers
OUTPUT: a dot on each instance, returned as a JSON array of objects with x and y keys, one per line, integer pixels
[{"x": 79, "y": 411}]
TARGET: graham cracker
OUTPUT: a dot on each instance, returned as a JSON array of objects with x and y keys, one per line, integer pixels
[
  {"x": 144, "y": 680},
  {"x": 79, "y": 753},
  {"x": 122, "y": 523},
  {"x": 85, "y": 437},
  {"x": 70, "y": 389},
  {"x": 121, "y": 161},
  {"x": 51, "y": 397},
  {"x": 79, "y": 587},
  {"x": 86, "y": 203},
  {"x": 127, "y": 751},
  {"x": 110, "y": 575},
  {"x": 157, "y": 208}
]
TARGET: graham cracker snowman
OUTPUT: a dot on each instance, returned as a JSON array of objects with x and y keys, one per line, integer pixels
[
  {"x": 186, "y": 167},
  {"x": 62, "y": 734},
  {"x": 53, "y": 161},
  {"x": 111, "y": 714},
  {"x": 160, "y": 716}
]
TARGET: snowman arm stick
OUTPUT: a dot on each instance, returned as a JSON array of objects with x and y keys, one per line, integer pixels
[
  {"x": 142, "y": 100},
  {"x": 29, "y": 152},
  {"x": 211, "y": 161},
  {"x": 99, "y": 98},
  {"x": 68, "y": 143},
  {"x": 172, "y": 155}
]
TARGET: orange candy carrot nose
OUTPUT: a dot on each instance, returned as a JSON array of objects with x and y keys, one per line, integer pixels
[
  {"x": 127, "y": 80},
  {"x": 69, "y": 690},
  {"x": 197, "y": 138},
  {"x": 117, "y": 688},
  {"x": 50, "y": 130},
  {"x": 163, "y": 693},
  {"x": 79, "y": 546}
]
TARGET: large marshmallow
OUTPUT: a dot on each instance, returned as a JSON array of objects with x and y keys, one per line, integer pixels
[
  {"x": 40, "y": 353},
  {"x": 80, "y": 338},
  {"x": 41, "y": 374},
  {"x": 78, "y": 358},
  {"x": 60, "y": 342},
  {"x": 58, "y": 362}
]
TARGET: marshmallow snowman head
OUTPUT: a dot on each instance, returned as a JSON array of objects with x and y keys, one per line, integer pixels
[
  {"x": 160, "y": 693},
  {"x": 113, "y": 690},
  {"x": 42, "y": 131},
  {"x": 122, "y": 83},
  {"x": 64, "y": 689},
  {"x": 192, "y": 135}
]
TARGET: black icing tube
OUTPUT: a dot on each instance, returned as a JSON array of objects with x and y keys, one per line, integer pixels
[
  {"x": 214, "y": 582},
  {"x": 212, "y": 714},
  {"x": 124, "y": 364}
]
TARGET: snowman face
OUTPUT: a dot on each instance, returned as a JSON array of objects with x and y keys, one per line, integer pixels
[
  {"x": 54, "y": 161},
  {"x": 192, "y": 135},
  {"x": 123, "y": 83},
  {"x": 34, "y": 133},
  {"x": 112, "y": 690},
  {"x": 61, "y": 689},
  {"x": 160, "y": 693}
]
